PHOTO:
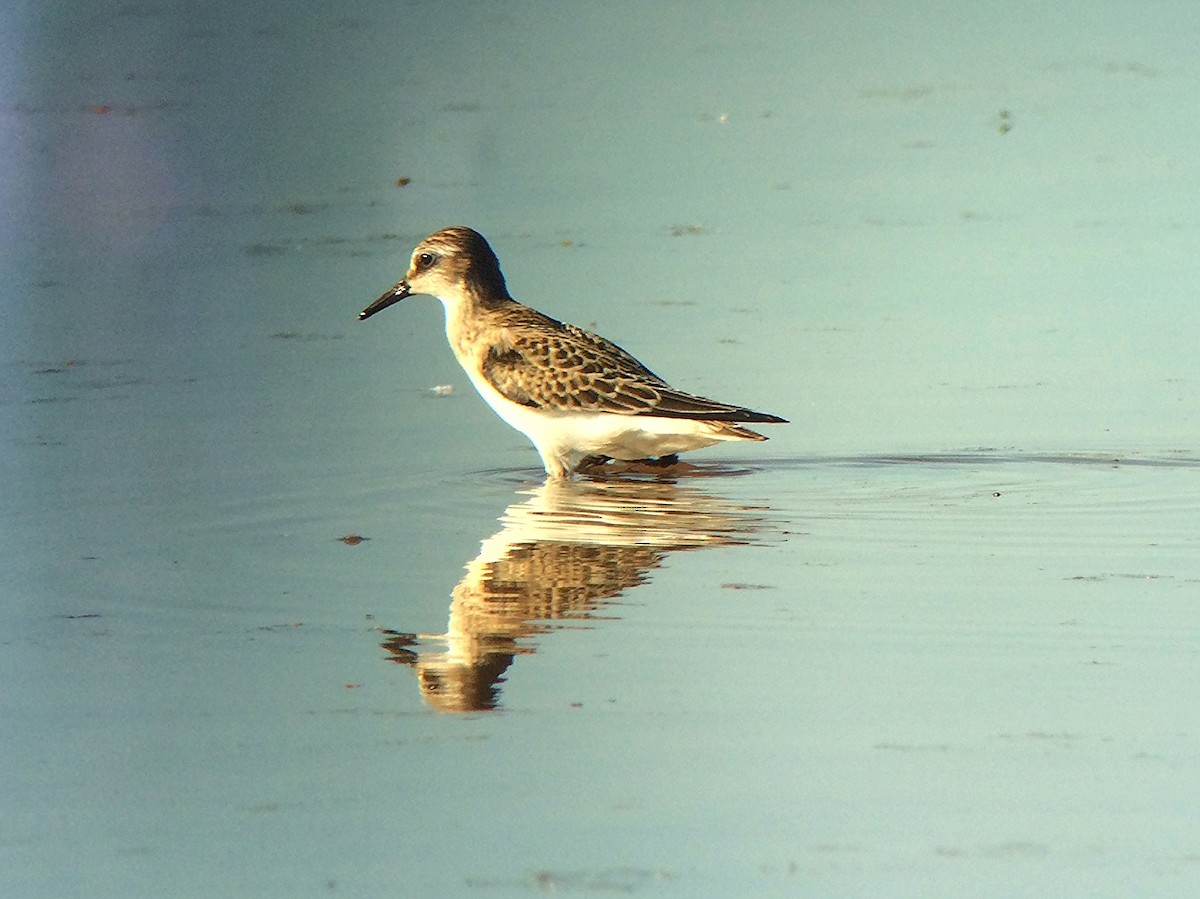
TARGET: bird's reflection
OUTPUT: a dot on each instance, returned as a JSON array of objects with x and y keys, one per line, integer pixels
[{"x": 563, "y": 550}]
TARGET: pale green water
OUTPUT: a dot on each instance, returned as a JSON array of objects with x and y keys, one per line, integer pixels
[{"x": 937, "y": 637}]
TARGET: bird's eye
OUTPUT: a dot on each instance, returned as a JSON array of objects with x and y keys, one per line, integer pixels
[{"x": 425, "y": 260}]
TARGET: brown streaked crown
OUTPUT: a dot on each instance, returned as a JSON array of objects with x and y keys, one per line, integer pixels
[{"x": 461, "y": 254}]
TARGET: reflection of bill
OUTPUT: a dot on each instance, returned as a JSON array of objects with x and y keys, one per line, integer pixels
[{"x": 560, "y": 554}]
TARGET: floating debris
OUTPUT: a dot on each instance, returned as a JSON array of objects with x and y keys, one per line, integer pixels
[
  {"x": 301, "y": 335},
  {"x": 302, "y": 208}
]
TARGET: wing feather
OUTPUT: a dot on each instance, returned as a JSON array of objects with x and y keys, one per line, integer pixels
[{"x": 556, "y": 366}]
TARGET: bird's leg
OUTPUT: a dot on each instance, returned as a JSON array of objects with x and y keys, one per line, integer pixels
[
  {"x": 588, "y": 462},
  {"x": 556, "y": 466},
  {"x": 661, "y": 462}
]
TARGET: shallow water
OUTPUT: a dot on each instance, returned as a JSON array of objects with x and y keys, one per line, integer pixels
[{"x": 281, "y": 618}]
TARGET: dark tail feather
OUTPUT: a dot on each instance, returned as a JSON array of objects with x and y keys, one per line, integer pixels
[{"x": 729, "y": 430}]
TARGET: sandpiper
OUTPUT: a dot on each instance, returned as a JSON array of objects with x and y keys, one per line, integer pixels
[{"x": 581, "y": 399}]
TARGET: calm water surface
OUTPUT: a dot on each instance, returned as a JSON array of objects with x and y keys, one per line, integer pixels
[{"x": 281, "y": 619}]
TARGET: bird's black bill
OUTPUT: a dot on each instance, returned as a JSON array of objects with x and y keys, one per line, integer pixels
[{"x": 395, "y": 295}]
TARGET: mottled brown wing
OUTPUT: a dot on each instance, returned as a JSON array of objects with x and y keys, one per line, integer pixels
[{"x": 561, "y": 367}]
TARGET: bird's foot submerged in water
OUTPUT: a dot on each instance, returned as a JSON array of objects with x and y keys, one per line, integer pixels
[
  {"x": 591, "y": 463},
  {"x": 599, "y": 466}
]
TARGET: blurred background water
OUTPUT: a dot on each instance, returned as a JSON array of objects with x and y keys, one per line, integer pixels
[{"x": 936, "y": 636}]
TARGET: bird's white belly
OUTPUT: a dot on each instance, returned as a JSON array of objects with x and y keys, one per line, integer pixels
[
  {"x": 563, "y": 438},
  {"x": 610, "y": 434}
]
